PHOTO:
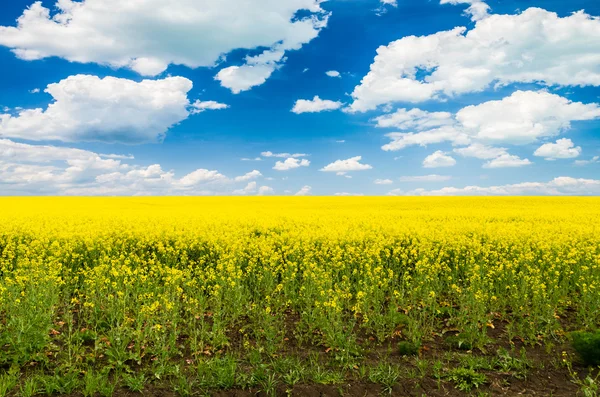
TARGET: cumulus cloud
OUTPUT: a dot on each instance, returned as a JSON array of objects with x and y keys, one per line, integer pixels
[
  {"x": 383, "y": 181},
  {"x": 425, "y": 178},
  {"x": 255, "y": 72},
  {"x": 333, "y": 73},
  {"x": 305, "y": 191},
  {"x": 250, "y": 175},
  {"x": 265, "y": 190},
  {"x": 47, "y": 169},
  {"x": 417, "y": 119},
  {"x": 558, "y": 186},
  {"x": 201, "y": 176},
  {"x": 593, "y": 160},
  {"x": 477, "y": 9},
  {"x": 200, "y": 106},
  {"x": 250, "y": 188},
  {"x": 401, "y": 140},
  {"x": 535, "y": 46},
  {"x": 438, "y": 159},
  {"x": 340, "y": 167},
  {"x": 563, "y": 149},
  {"x": 290, "y": 164},
  {"x": 521, "y": 118},
  {"x": 480, "y": 151},
  {"x": 524, "y": 117},
  {"x": 507, "y": 161},
  {"x": 88, "y": 108},
  {"x": 149, "y": 35},
  {"x": 315, "y": 105},
  {"x": 282, "y": 155}
]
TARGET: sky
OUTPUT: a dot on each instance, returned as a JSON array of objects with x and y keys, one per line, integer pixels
[{"x": 300, "y": 97}]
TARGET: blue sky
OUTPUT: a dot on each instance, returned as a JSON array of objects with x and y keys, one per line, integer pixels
[{"x": 186, "y": 98}]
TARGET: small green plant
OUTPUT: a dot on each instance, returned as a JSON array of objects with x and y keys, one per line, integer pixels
[
  {"x": 91, "y": 383},
  {"x": 30, "y": 387},
  {"x": 325, "y": 377},
  {"x": 182, "y": 385},
  {"x": 63, "y": 383},
  {"x": 587, "y": 345},
  {"x": 458, "y": 342},
  {"x": 268, "y": 384},
  {"x": 590, "y": 386},
  {"x": 7, "y": 383},
  {"x": 406, "y": 348},
  {"x": 135, "y": 383},
  {"x": 438, "y": 368},
  {"x": 292, "y": 377},
  {"x": 385, "y": 375},
  {"x": 465, "y": 379},
  {"x": 508, "y": 363}
]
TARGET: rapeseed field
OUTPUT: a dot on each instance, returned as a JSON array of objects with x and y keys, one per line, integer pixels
[{"x": 193, "y": 295}]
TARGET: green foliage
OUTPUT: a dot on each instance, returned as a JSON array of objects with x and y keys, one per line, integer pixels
[
  {"x": 385, "y": 375},
  {"x": 406, "y": 348},
  {"x": 459, "y": 342},
  {"x": 465, "y": 379},
  {"x": 135, "y": 382},
  {"x": 587, "y": 345},
  {"x": 7, "y": 383}
]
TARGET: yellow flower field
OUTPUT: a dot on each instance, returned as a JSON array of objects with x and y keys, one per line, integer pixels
[{"x": 125, "y": 283}]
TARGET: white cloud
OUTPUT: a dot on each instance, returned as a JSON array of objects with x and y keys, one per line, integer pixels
[
  {"x": 148, "y": 35},
  {"x": 481, "y": 151},
  {"x": 383, "y": 181},
  {"x": 346, "y": 194},
  {"x": 202, "y": 176},
  {"x": 524, "y": 117},
  {"x": 342, "y": 166},
  {"x": 593, "y": 160},
  {"x": 255, "y": 72},
  {"x": 249, "y": 159},
  {"x": 341, "y": 141},
  {"x": 507, "y": 161},
  {"x": 87, "y": 108},
  {"x": 265, "y": 190},
  {"x": 333, "y": 73},
  {"x": 557, "y": 186},
  {"x": 21, "y": 152},
  {"x": 315, "y": 105},
  {"x": 45, "y": 169},
  {"x": 563, "y": 149},
  {"x": 290, "y": 164},
  {"x": 417, "y": 119},
  {"x": 35, "y": 91},
  {"x": 249, "y": 189},
  {"x": 425, "y": 178},
  {"x": 390, "y": 2},
  {"x": 438, "y": 159},
  {"x": 477, "y": 8},
  {"x": 535, "y": 46},
  {"x": 200, "y": 106},
  {"x": 401, "y": 140},
  {"x": 305, "y": 191},
  {"x": 118, "y": 156},
  {"x": 498, "y": 157},
  {"x": 250, "y": 175},
  {"x": 282, "y": 155}
]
